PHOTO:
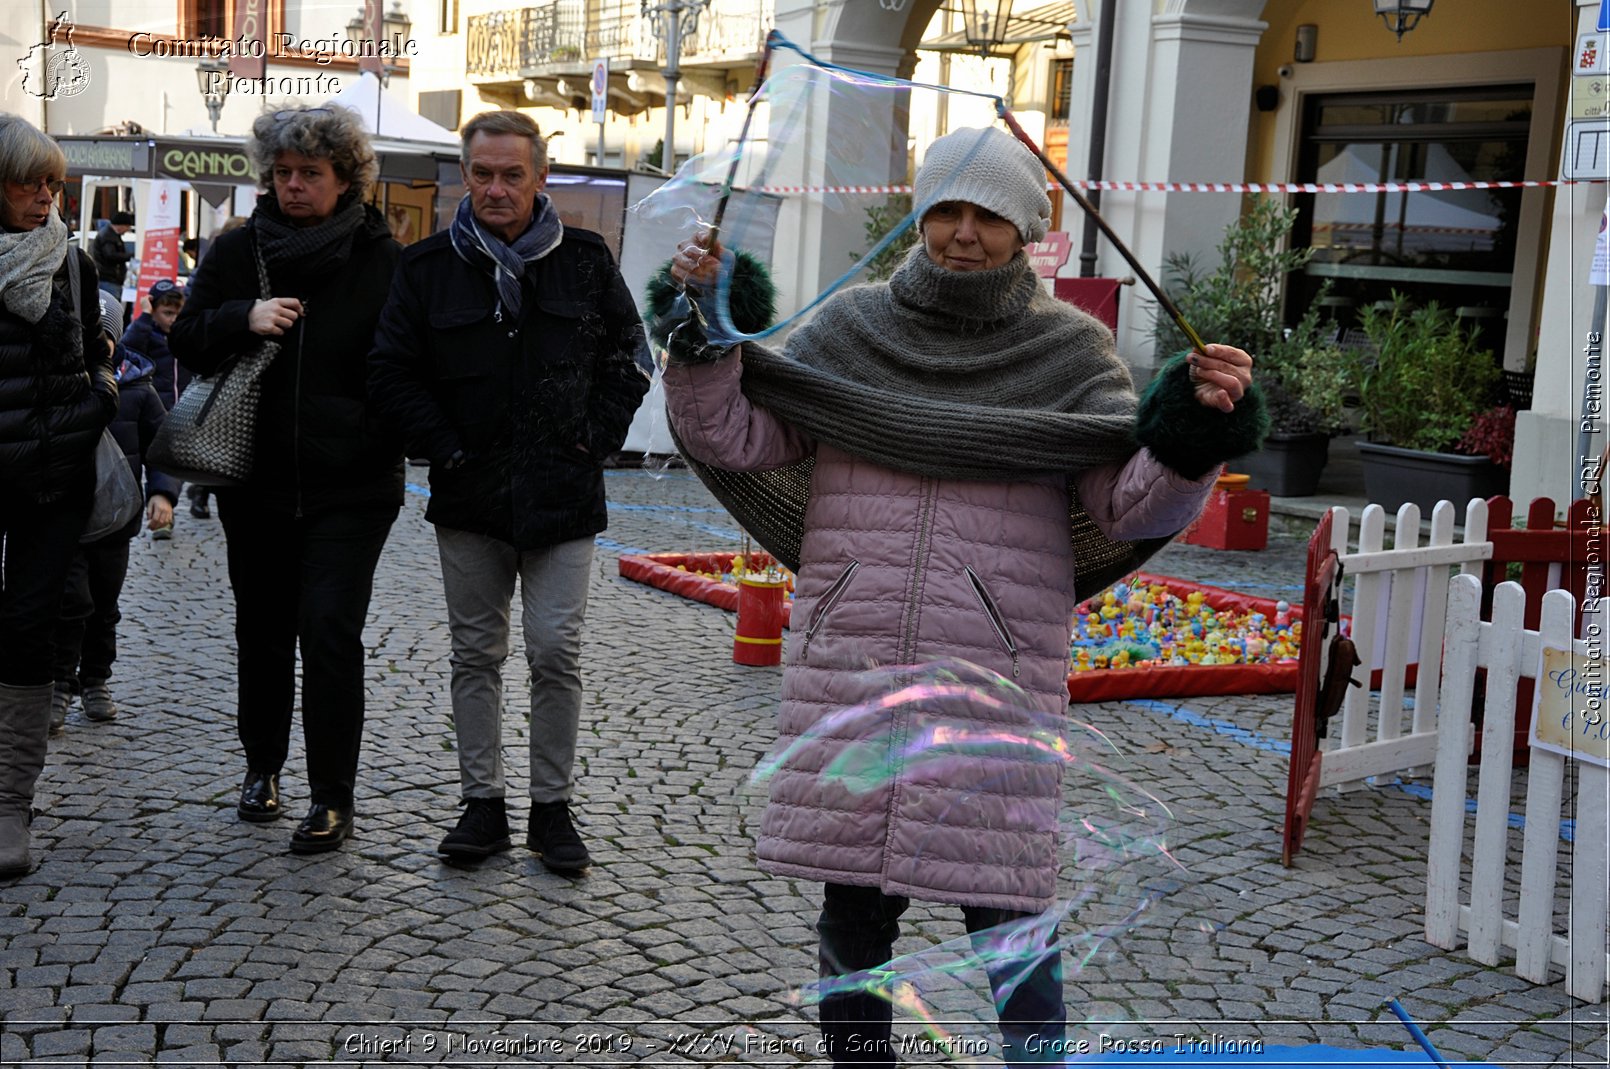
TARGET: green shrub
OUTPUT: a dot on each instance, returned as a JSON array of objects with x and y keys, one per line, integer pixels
[{"x": 1426, "y": 381}]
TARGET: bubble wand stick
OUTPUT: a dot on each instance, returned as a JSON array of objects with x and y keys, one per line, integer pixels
[
  {"x": 743, "y": 137},
  {"x": 1101, "y": 224}
]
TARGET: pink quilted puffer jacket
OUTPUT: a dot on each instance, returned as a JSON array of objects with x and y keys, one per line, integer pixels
[{"x": 898, "y": 569}]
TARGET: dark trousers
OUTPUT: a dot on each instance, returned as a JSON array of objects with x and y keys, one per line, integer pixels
[
  {"x": 307, "y": 580},
  {"x": 38, "y": 542},
  {"x": 858, "y": 928},
  {"x": 86, "y": 631}
]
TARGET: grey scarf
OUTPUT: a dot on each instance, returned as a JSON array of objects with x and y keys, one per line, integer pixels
[
  {"x": 964, "y": 375},
  {"x": 954, "y": 374},
  {"x": 28, "y": 261}
]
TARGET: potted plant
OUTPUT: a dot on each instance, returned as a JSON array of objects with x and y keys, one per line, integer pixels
[
  {"x": 1303, "y": 374},
  {"x": 1424, "y": 384}
]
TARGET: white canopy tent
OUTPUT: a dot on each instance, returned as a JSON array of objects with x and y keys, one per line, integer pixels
[{"x": 386, "y": 115}]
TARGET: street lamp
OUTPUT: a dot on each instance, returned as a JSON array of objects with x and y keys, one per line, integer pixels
[
  {"x": 212, "y": 78},
  {"x": 984, "y": 23},
  {"x": 676, "y": 21},
  {"x": 1401, "y": 16},
  {"x": 394, "y": 27}
]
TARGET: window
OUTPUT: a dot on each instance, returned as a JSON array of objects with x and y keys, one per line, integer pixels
[
  {"x": 446, "y": 16},
  {"x": 208, "y": 18},
  {"x": 1061, "y": 89},
  {"x": 1456, "y": 247}
]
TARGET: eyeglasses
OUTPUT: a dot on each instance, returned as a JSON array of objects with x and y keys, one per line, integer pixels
[
  {"x": 32, "y": 185},
  {"x": 291, "y": 113}
]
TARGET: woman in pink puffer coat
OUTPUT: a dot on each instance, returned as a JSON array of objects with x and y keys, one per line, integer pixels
[{"x": 957, "y": 433}]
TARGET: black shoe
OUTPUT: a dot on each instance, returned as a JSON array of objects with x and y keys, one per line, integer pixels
[
  {"x": 259, "y": 797},
  {"x": 552, "y": 835},
  {"x": 199, "y": 509},
  {"x": 324, "y": 828},
  {"x": 482, "y": 831}
]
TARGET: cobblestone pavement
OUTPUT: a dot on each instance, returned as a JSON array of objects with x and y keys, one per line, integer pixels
[{"x": 162, "y": 929}]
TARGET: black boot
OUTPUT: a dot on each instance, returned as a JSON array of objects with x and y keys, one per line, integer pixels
[
  {"x": 552, "y": 834},
  {"x": 482, "y": 831}
]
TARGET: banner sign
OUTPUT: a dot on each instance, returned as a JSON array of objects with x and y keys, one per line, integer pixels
[
  {"x": 251, "y": 56},
  {"x": 160, "y": 226}
]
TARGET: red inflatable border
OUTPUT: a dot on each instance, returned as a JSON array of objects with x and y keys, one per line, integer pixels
[
  {"x": 660, "y": 570},
  {"x": 1168, "y": 681}
]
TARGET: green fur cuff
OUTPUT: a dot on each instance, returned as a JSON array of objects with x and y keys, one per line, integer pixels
[
  {"x": 679, "y": 326},
  {"x": 1187, "y": 435}
]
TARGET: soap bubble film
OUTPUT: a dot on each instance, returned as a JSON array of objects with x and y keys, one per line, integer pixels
[
  {"x": 954, "y": 725},
  {"x": 823, "y": 163}
]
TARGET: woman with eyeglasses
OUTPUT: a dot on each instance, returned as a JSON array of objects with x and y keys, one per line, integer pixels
[
  {"x": 305, "y": 532},
  {"x": 57, "y": 392}
]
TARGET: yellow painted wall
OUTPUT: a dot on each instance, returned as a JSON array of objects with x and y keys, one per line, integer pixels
[{"x": 1350, "y": 30}]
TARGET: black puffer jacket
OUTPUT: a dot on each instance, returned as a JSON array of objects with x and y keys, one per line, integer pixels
[
  {"x": 56, "y": 391},
  {"x": 319, "y": 446},
  {"x": 534, "y": 407}
]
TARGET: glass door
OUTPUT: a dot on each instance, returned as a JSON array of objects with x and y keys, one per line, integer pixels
[{"x": 1456, "y": 247}]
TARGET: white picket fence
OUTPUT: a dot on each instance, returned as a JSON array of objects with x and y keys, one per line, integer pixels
[
  {"x": 1576, "y": 942},
  {"x": 1399, "y": 597}
]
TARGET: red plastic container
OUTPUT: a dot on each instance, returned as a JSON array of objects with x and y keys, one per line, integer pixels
[
  {"x": 759, "y": 640},
  {"x": 1235, "y": 517}
]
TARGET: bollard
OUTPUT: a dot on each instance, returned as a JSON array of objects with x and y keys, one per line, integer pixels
[{"x": 759, "y": 641}]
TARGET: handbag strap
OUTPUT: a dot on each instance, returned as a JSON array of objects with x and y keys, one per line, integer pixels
[{"x": 262, "y": 268}]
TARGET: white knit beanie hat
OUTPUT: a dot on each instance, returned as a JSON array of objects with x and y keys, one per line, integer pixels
[{"x": 990, "y": 168}]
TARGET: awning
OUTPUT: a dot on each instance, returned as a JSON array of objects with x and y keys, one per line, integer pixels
[{"x": 1044, "y": 23}]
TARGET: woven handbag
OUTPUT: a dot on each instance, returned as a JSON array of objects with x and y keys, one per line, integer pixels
[{"x": 209, "y": 438}]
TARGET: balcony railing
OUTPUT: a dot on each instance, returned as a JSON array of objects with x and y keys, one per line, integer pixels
[{"x": 568, "y": 34}]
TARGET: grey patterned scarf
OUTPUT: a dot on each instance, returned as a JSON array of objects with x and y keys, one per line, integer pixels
[
  {"x": 506, "y": 263},
  {"x": 28, "y": 261}
]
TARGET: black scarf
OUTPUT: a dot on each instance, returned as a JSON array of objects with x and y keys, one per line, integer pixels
[{"x": 307, "y": 250}]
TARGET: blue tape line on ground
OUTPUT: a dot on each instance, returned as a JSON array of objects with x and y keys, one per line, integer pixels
[
  {"x": 1240, "y": 734},
  {"x": 1260, "y": 741}
]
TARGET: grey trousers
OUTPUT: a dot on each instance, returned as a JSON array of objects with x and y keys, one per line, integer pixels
[{"x": 478, "y": 575}]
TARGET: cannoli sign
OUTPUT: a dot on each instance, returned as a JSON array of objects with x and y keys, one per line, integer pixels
[{"x": 1573, "y": 707}]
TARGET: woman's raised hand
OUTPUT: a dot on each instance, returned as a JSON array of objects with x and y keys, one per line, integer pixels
[
  {"x": 1220, "y": 375},
  {"x": 697, "y": 261}
]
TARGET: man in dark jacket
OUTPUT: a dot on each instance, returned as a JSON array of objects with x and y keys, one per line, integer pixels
[
  {"x": 111, "y": 255},
  {"x": 510, "y": 355}
]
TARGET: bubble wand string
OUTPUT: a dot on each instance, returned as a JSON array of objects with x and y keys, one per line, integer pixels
[{"x": 1101, "y": 224}]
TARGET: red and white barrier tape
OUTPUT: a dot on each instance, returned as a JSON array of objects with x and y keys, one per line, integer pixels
[{"x": 1222, "y": 187}]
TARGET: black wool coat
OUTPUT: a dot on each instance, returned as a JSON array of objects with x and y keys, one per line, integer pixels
[
  {"x": 55, "y": 397},
  {"x": 320, "y": 446},
  {"x": 530, "y": 409}
]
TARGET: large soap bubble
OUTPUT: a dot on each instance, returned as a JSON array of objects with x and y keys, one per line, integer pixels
[
  {"x": 813, "y": 183},
  {"x": 974, "y": 738}
]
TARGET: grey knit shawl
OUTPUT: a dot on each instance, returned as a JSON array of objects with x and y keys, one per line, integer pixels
[
  {"x": 972, "y": 375},
  {"x": 953, "y": 374}
]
